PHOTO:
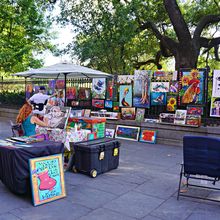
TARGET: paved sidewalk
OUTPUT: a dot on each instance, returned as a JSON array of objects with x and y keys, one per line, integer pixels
[{"x": 143, "y": 187}]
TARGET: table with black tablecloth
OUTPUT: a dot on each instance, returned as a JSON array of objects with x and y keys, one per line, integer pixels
[{"x": 14, "y": 165}]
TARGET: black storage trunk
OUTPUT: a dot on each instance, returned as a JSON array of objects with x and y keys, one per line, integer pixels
[{"x": 97, "y": 156}]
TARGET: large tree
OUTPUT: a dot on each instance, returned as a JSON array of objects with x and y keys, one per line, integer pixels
[
  {"x": 118, "y": 35},
  {"x": 23, "y": 34}
]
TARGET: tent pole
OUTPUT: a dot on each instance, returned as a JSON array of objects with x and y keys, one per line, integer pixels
[
  {"x": 25, "y": 84},
  {"x": 65, "y": 75}
]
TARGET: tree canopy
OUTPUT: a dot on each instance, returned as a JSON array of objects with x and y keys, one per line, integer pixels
[
  {"x": 23, "y": 33},
  {"x": 117, "y": 36}
]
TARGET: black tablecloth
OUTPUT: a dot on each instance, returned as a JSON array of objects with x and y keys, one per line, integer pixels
[{"x": 14, "y": 166}]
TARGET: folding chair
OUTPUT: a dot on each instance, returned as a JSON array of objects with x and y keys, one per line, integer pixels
[
  {"x": 201, "y": 161},
  {"x": 16, "y": 129}
]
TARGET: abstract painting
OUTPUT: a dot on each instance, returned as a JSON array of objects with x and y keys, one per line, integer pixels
[
  {"x": 141, "y": 96},
  {"x": 127, "y": 132},
  {"x": 194, "y": 110},
  {"x": 158, "y": 98},
  {"x": 71, "y": 93},
  {"x": 108, "y": 104},
  {"x": 116, "y": 106},
  {"x": 125, "y": 95},
  {"x": 98, "y": 88},
  {"x": 60, "y": 84},
  {"x": 148, "y": 136}
]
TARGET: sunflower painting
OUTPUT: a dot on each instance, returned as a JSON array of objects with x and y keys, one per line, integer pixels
[{"x": 171, "y": 103}]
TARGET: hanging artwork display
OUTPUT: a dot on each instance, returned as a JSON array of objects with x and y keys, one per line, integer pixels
[
  {"x": 60, "y": 84},
  {"x": 158, "y": 98},
  {"x": 98, "y": 88},
  {"x": 73, "y": 103},
  {"x": 47, "y": 179},
  {"x": 194, "y": 110},
  {"x": 125, "y": 95},
  {"x": 71, "y": 93},
  {"x": 215, "y": 107},
  {"x": 84, "y": 103},
  {"x": 36, "y": 89},
  {"x": 140, "y": 114},
  {"x": 108, "y": 104},
  {"x": 193, "y": 120},
  {"x": 148, "y": 136},
  {"x": 127, "y": 132},
  {"x": 109, "y": 133},
  {"x": 116, "y": 106},
  {"x": 180, "y": 117},
  {"x": 111, "y": 89},
  {"x": 160, "y": 86},
  {"x": 192, "y": 86},
  {"x": 29, "y": 90},
  {"x": 141, "y": 96},
  {"x": 128, "y": 113},
  {"x": 216, "y": 84},
  {"x": 159, "y": 74},
  {"x": 84, "y": 93},
  {"x": 174, "y": 85},
  {"x": 97, "y": 103},
  {"x": 171, "y": 103},
  {"x": 51, "y": 86},
  {"x": 86, "y": 112},
  {"x": 125, "y": 79}
]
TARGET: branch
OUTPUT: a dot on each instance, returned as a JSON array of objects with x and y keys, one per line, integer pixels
[
  {"x": 152, "y": 26},
  {"x": 177, "y": 20},
  {"x": 206, "y": 20}
]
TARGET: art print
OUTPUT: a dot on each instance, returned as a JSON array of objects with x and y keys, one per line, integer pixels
[
  {"x": 116, "y": 106},
  {"x": 84, "y": 93},
  {"x": 148, "y": 136},
  {"x": 111, "y": 90},
  {"x": 109, "y": 133},
  {"x": 127, "y": 132},
  {"x": 87, "y": 113},
  {"x": 216, "y": 84},
  {"x": 84, "y": 103},
  {"x": 71, "y": 93},
  {"x": 60, "y": 84},
  {"x": 97, "y": 103},
  {"x": 215, "y": 107},
  {"x": 108, "y": 104},
  {"x": 47, "y": 179},
  {"x": 158, "y": 98},
  {"x": 160, "y": 86},
  {"x": 141, "y": 96},
  {"x": 194, "y": 110},
  {"x": 128, "y": 113},
  {"x": 159, "y": 74},
  {"x": 51, "y": 86},
  {"x": 192, "y": 83},
  {"x": 125, "y": 79},
  {"x": 174, "y": 85},
  {"x": 98, "y": 88},
  {"x": 193, "y": 120},
  {"x": 74, "y": 103},
  {"x": 125, "y": 95},
  {"x": 180, "y": 117},
  {"x": 171, "y": 103},
  {"x": 140, "y": 114},
  {"x": 29, "y": 90}
]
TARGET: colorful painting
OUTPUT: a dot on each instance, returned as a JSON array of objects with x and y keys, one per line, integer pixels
[
  {"x": 171, "y": 103},
  {"x": 160, "y": 86},
  {"x": 148, "y": 136},
  {"x": 125, "y": 95},
  {"x": 111, "y": 90},
  {"x": 116, "y": 106},
  {"x": 84, "y": 103},
  {"x": 87, "y": 113},
  {"x": 174, "y": 85},
  {"x": 84, "y": 93},
  {"x": 47, "y": 179},
  {"x": 60, "y": 84},
  {"x": 140, "y": 114},
  {"x": 97, "y": 103},
  {"x": 215, "y": 107},
  {"x": 51, "y": 86},
  {"x": 98, "y": 88},
  {"x": 71, "y": 93},
  {"x": 216, "y": 84},
  {"x": 74, "y": 103},
  {"x": 108, "y": 104},
  {"x": 36, "y": 89},
  {"x": 127, "y": 132},
  {"x": 193, "y": 120},
  {"x": 194, "y": 110},
  {"x": 141, "y": 89},
  {"x": 125, "y": 79},
  {"x": 109, "y": 133},
  {"x": 180, "y": 117},
  {"x": 192, "y": 83},
  {"x": 158, "y": 98},
  {"x": 29, "y": 90},
  {"x": 128, "y": 113}
]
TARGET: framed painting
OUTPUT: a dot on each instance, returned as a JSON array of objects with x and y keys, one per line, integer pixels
[
  {"x": 174, "y": 85},
  {"x": 125, "y": 96},
  {"x": 192, "y": 86},
  {"x": 98, "y": 88},
  {"x": 194, "y": 110},
  {"x": 116, "y": 106},
  {"x": 215, "y": 107},
  {"x": 108, "y": 104},
  {"x": 60, "y": 84},
  {"x": 51, "y": 86},
  {"x": 71, "y": 93},
  {"x": 171, "y": 103},
  {"x": 84, "y": 93},
  {"x": 109, "y": 133},
  {"x": 140, "y": 114},
  {"x": 160, "y": 86},
  {"x": 148, "y": 136},
  {"x": 127, "y": 132},
  {"x": 28, "y": 90},
  {"x": 141, "y": 96},
  {"x": 73, "y": 103},
  {"x": 180, "y": 117},
  {"x": 84, "y": 103},
  {"x": 47, "y": 179},
  {"x": 216, "y": 84},
  {"x": 97, "y": 103},
  {"x": 111, "y": 89},
  {"x": 125, "y": 79},
  {"x": 158, "y": 98},
  {"x": 128, "y": 113},
  {"x": 87, "y": 113}
]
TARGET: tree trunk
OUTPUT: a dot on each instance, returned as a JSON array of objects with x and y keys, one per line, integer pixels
[{"x": 186, "y": 56}]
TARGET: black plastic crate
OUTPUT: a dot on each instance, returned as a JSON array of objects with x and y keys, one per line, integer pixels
[{"x": 97, "y": 156}]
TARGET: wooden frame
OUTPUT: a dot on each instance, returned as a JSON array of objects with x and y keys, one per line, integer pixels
[{"x": 127, "y": 132}]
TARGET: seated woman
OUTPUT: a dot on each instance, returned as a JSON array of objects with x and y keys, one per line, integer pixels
[{"x": 28, "y": 120}]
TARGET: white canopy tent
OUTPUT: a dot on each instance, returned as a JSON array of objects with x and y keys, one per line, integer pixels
[{"x": 62, "y": 70}]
